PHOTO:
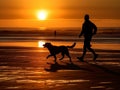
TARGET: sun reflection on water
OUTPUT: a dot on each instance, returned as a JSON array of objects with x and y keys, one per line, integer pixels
[{"x": 41, "y": 43}]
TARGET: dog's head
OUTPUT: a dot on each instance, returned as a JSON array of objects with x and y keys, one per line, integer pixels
[{"x": 47, "y": 45}]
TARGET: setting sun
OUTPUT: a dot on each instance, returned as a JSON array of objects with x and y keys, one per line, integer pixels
[{"x": 42, "y": 14}]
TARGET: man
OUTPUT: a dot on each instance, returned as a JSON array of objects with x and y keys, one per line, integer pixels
[{"x": 88, "y": 30}]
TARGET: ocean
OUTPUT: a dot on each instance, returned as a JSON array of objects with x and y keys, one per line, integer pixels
[{"x": 30, "y": 37}]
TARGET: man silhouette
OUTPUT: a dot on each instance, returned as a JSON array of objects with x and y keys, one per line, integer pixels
[{"x": 88, "y": 30}]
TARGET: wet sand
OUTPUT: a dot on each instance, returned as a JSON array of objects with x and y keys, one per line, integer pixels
[
  {"x": 23, "y": 65},
  {"x": 26, "y": 68}
]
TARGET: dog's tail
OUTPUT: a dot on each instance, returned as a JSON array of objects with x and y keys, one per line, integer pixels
[{"x": 72, "y": 45}]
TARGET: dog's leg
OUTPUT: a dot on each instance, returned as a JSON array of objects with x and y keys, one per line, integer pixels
[
  {"x": 70, "y": 59},
  {"x": 69, "y": 56},
  {"x": 55, "y": 58},
  {"x": 62, "y": 56}
]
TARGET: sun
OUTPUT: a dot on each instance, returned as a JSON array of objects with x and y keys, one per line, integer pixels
[{"x": 42, "y": 14}]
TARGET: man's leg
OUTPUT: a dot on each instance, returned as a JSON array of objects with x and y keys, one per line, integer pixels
[
  {"x": 88, "y": 46},
  {"x": 84, "y": 52},
  {"x": 91, "y": 50}
]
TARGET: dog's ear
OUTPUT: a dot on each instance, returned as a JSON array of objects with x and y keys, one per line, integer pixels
[{"x": 47, "y": 44}]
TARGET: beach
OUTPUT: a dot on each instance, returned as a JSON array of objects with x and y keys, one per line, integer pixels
[{"x": 23, "y": 64}]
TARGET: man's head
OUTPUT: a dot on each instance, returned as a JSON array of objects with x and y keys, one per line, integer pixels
[{"x": 86, "y": 17}]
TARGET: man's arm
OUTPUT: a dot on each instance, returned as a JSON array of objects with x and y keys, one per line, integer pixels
[
  {"x": 81, "y": 32},
  {"x": 95, "y": 29}
]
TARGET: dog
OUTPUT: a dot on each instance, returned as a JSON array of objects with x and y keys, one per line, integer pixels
[{"x": 54, "y": 50}]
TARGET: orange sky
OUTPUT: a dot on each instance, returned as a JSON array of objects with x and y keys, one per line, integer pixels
[
  {"x": 68, "y": 9},
  {"x": 25, "y": 10}
]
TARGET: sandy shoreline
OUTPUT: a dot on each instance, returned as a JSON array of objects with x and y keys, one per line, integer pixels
[
  {"x": 26, "y": 68},
  {"x": 23, "y": 65}
]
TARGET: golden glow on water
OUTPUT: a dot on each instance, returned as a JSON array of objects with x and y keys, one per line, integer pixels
[
  {"x": 103, "y": 46},
  {"x": 40, "y": 43},
  {"x": 42, "y": 28}
]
